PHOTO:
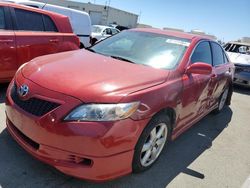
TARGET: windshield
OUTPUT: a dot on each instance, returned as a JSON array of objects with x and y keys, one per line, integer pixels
[
  {"x": 96, "y": 29},
  {"x": 155, "y": 50}
]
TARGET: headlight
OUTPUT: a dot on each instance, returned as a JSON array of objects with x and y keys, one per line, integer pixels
[{"x": 102, "y": 112}]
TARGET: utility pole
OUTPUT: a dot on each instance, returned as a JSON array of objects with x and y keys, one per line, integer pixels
[
  {"x": 139, "y": 18},
  {"x": 108, "y": 11}
]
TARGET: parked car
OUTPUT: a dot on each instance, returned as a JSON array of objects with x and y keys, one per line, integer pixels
[
  {"x": 119, "y": 27},
  {"x": 114, "y": 107},
  {"x": 26, "y": 33},
  {"x": 239, "y": 54},
  {"x": 100, "y": 32},
  {"x": 80, "y": 20}
]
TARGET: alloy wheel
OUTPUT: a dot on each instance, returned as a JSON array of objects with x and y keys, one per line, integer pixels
[{"x": 154, "y": 144}]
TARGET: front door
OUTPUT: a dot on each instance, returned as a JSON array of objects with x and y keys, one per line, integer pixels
[{"x": 196, "y": 87}]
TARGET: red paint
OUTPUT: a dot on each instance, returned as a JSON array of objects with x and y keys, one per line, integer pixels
[
  {"x": 18, "y": 47},
  {"x": 77, "y": 77}
]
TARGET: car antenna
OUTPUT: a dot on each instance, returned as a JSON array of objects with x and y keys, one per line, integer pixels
[{"x": 45, "y": 4}]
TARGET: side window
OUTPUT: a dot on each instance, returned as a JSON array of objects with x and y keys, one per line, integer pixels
[
  {"x": 202, "y": 53},
  {"x": 105, "y": 31},
  {"x": 2, "y": 18},
  {"x": 29, "y": 21},
  {"x": 108, "y": 31},
  {"x": 49, "y": 24},
  {"x": 218, "y": 54},
  {"x": 114, "y": 31}
]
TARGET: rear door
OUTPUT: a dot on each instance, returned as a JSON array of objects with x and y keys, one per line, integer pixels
[
  {"x": 34, "y": 35},
  {"x": 8, "y": 59},
  {"x": 222, "y": 71}
]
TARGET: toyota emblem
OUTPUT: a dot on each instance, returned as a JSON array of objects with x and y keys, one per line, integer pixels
[{"x": 23, "y": 91}]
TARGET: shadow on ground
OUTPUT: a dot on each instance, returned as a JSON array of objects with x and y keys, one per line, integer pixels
[
  {"x": 3, "y": 88},
  {"x": 19, "y": 169},
  {"x": 242, "y": 90}
]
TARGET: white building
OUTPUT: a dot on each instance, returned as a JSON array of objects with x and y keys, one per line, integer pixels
[{"x": 100, "y": 14}]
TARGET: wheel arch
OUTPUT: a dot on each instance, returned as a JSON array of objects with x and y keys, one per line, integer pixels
[{"x": 170, "y": 112}]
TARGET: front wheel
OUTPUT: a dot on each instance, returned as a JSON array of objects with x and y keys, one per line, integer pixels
[{"x": 151, "y": 143}]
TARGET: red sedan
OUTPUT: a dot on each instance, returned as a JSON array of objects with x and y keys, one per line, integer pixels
[{"x": 104, "y": 112}]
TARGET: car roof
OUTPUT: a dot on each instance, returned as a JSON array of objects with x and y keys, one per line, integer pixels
[
  {"x": 25, "y": 7},
  {"x": 104, "y": 26},
  {"x": 41, "y": 4},
  {"x": 239, "y": 43},
  {"x": 178, "y": 34}
]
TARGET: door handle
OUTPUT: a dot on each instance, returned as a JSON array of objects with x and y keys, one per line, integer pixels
[
  {"x": 214, "y": 76},
  {"x": 6, "y": 40},
  {"x": 54, "y": 40}
]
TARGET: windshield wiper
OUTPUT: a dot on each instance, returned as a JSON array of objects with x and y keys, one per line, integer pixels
[
  {"x": 91, "y": 50},
  {"x": 121, "y": 58}
]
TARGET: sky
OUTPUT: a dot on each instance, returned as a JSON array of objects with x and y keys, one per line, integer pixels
[{"x": 226, "y": 19}]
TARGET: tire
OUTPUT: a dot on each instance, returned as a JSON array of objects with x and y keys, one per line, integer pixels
[
  {"x": 151, "y": 143},
  {"x": 222, "y": 101},
  {"x": 93, "y": 41},
  {"x": 82, "y": 46}
]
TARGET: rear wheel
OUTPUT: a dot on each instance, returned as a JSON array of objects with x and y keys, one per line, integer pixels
[
  {"x": 222, "y": 101},
  {"x": 151, "y": 143}
]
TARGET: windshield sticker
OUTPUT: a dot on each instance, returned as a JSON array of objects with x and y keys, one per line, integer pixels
[{"x": 179, "y": 42}]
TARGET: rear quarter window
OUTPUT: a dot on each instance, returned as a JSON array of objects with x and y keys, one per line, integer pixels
[
  {"x": 29, "y": 21},
  {"x": 49, "y": 24},
  {"x": 2, "y": 18}
]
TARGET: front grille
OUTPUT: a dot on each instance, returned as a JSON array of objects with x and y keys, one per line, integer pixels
[
  {"x": 34, "y": 106},
  {"x": 242, "y": 68}
]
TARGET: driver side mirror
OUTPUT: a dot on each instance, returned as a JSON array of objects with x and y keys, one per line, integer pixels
[{"x": 199, "y": 68}]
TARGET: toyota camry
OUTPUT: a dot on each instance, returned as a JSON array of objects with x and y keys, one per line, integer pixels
[{"x": 110, "y": 110}]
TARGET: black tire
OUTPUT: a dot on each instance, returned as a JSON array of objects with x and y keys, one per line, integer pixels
[
  {"x": 93, "y": 41},
  {"x": 158, "y": 119},
  {"x": 82, "y": 46},
  {"x": 220, "y": 108}
]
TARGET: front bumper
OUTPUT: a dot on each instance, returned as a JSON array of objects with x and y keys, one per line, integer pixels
[
  {"x": 242, "y": 78},
  {"x": 242, "y": 75},
  {"x": 89, "y": 150}
]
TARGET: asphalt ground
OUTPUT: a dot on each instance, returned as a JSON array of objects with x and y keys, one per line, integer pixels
[{"x": 213, "y": 153}]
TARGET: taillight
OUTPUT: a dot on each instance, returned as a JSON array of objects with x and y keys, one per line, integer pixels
[{"x": 78, "y": 41}]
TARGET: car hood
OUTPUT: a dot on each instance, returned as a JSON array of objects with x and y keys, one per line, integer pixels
[
  {"x": 238, "y": 58},
  {"x": 91, "y": 77}
]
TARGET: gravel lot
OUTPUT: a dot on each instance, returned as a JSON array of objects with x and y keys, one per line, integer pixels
[{"x": 214, "y": 153}]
